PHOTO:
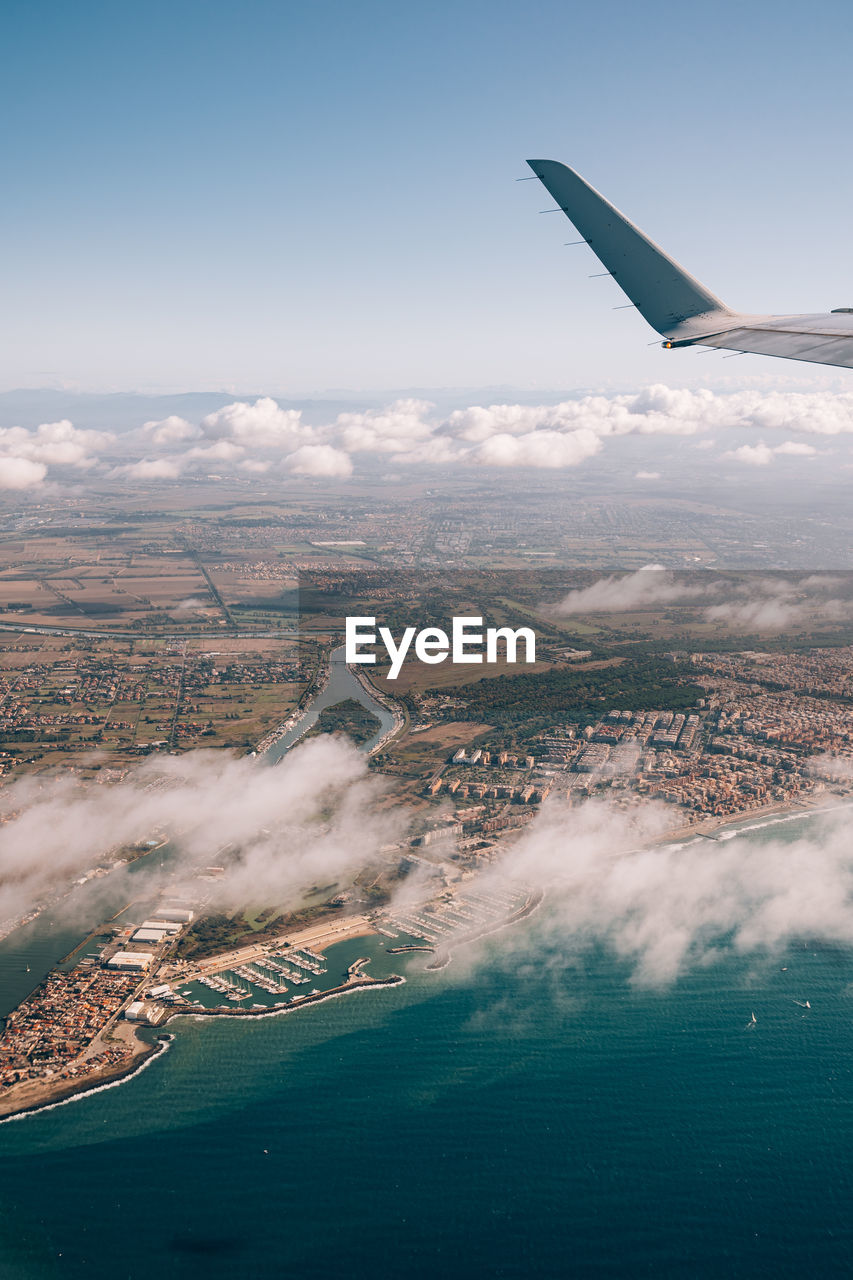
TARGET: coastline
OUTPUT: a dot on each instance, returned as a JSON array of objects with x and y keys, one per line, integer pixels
[
  {"x": 58, "y": 1095},
  {"x": 763, "y": 815},
  {"x": 36, "y": 1096}
]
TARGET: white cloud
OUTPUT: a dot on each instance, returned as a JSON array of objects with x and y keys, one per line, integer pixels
[
  {"x": 310, "y": 820},
  {"x": 319, "y": 460},
  {"x": 221, "y": 451},
  {"x": 651, "y": 585},
  {"x": 21, "y": 473},
  {"x": 548, "y": 449},
  {"x": 771, "y": 604},
  {"x": 647, "y": 475},
  {"x": 59, "y": 444},
  {"x": 796, "y": 449},
  {"x": 665, "y": 908},
  {"x": 153, "y": 469},
  {"x": 171, "y": 430},
  {"x": 751, "y": 603},
  {"x": 392, "y": 430},
  {"x": 754, "y": 455},
  {"x": 759, "y": 455},
  {"x": 262, "y": 425}
]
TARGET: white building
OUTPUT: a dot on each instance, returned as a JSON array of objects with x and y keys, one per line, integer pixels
[
  {"x": 134, "y": 960},
  {"x": 166, "y": 926},
  {"x": 182, "y": 914},
  {"x": 139, "y": 1011},
  {"x": 148, "y": 935}
]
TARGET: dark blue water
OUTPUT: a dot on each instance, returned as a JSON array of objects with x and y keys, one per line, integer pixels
[{"x": 533, "y": 1116}]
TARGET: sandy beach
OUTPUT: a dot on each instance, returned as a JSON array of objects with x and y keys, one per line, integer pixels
[
  {"x": 316, "y": 936},
  {"x": 708, "y": 827}
]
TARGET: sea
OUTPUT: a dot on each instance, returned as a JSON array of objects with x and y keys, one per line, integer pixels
[{"x": 527, "y": 1111}]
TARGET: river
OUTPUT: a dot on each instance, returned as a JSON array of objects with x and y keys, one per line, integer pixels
[{"x": 342, "y": 684}]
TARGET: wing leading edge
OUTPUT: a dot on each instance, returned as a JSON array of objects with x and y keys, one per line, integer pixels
[{"x": 675, "y": 304}]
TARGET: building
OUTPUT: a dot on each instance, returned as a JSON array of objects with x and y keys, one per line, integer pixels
[
  {"x": 149, "y": 935},
  {"x": 139, "y": 1011},
  {"x": 137, "y": 961}
]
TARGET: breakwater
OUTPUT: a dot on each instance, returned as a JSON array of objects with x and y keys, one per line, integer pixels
[{"x": 358, "y": 983}]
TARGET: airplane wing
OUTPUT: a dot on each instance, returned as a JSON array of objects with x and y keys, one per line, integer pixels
[
  {"x": 681, "y": 309},
  {"x": 820, "y": 339}
]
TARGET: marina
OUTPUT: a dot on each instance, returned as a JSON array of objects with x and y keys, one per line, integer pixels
[
  {"x": 275, "y": 978},
  {"x": 457, "y": 917}
]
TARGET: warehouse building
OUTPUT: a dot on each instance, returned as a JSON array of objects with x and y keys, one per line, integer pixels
[
  {"x": 148, "y": 935},
  {"x": 182, "y": 915},
  {"x": 136, "y": 961}
]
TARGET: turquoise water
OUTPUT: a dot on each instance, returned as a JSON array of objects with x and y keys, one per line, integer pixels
[{"x": 531, "y": 1114}]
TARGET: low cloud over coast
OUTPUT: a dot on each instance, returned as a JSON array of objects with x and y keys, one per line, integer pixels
[
  {"x": 611, "y": 879},
  {"x": 276, "y": 830},
  {"x": 665, "y": 908}
]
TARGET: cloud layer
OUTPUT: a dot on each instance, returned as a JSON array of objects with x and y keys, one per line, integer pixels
[{"x": 261, "y": 436}]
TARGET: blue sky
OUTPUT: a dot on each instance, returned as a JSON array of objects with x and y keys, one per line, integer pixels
[{"x": 291, "y": 198}]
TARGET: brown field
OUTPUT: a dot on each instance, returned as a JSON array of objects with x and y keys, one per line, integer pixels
[
  {"x": 443, "y": 737},
  {"x": 114, "y": 591},
  {"x": 419, "y": 678}
]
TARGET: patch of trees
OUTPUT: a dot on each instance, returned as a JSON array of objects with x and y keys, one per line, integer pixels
[
  {"x": 348, "y": 717},
  {"x": 536, "y": 699}
]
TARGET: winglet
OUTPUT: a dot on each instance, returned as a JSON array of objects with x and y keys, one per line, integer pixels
[{"x": 662, "y": 291}]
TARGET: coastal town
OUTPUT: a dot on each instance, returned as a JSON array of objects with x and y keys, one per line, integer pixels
[
  {"x": 222, "y": 629},
  {"x": 764, "y": 733},
  {"x": 92, "y": 1023},
  {"x": 766, "y": 730}
]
